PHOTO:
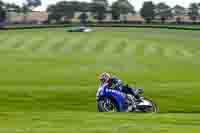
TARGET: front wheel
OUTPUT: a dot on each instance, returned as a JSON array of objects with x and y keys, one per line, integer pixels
[
  {"x": 107, "y": 105},
  {"x": 148, "y": 106}
]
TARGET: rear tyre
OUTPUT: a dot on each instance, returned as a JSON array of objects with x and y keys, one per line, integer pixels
[{"x": 107, "y": 105}]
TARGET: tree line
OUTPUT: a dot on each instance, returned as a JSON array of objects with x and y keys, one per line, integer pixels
[
  {"x": 26, "y": 7},
  {"x": 99, "y": 8},
  {"x": 120, "y": 8},
  {"x": 162, "y": 11}
]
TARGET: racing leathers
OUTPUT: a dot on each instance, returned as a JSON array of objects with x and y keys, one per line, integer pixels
[{"x": 117, "y": 84}]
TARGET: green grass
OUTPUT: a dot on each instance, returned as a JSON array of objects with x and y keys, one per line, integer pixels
[
  {"x": 62, "y": 122},
  {"x": 49, "y": 79}
]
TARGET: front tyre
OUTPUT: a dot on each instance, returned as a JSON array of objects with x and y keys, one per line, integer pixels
[
  {"x": 107, "y": 105},
  {"x": 153, "y": 108}
]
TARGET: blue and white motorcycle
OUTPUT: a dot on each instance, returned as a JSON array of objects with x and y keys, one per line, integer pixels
[{"x": 110, "y": 100}]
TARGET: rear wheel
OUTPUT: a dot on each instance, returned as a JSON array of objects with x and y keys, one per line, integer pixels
[{"x": 107, "y": 105}]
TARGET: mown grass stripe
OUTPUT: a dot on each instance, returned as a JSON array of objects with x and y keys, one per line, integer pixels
[
  {"x": 19, "y": 44},
  {"x": 100, "y": 46},
  {"x": 37, "y": 45},
  {"x": 3, "y": 39},
  {"x": 111, "y": 46},
  {"x": 27, "y": 43},
  {"x": 120, "y": 47},
  {"x": 8, "y": 41},
  {"x": 68, "y": 46},
  {"x": 140, "y": 49},
  {"x": 80, "y": 44},
  {"x": 50, "y": 41},
  {"x": 58, "y": 45}
]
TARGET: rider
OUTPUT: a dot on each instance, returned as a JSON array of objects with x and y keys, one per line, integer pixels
[{"x": 115, "y": 83}]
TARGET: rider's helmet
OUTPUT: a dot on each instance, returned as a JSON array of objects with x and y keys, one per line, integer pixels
[{"x": 104, "y": 77}]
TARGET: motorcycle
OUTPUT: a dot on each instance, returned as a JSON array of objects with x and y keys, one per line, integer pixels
[{"x": 112, "y": 100}]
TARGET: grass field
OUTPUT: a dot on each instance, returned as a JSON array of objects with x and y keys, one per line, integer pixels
[{"x": 48, "y": 79}]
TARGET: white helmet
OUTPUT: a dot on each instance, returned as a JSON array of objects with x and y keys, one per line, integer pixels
[{"x": 105, "y": 77}]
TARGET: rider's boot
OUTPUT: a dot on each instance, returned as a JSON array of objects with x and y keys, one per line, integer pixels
[
  {"x": 138, "y": 98},
  {"x": 137, "y": 95},
  {"x": 131, "y": 103}
]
